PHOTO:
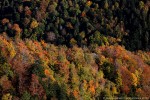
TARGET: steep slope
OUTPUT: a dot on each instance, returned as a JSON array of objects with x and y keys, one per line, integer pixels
[
  {"x": 80, "y": 22},
  {"x": 31, "y": 69}
]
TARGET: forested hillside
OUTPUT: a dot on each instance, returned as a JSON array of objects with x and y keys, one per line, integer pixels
[
  {"x": 74, "y": 49},
  {"x": 32, "y": 70},
  {"x": 81, "y": 22}
]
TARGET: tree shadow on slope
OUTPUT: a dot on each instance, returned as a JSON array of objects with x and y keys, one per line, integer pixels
[{"x": 52, "y": 89}]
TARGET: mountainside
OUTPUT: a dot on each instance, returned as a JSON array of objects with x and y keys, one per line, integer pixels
[
  {"x": 74, "y": 49},
  {"x": 31, "y": 69},
  {"x": 80, "y": 22}
]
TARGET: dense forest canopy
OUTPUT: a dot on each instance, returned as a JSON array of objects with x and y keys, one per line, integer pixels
[
  {"x": 31, "y": 70},
  {"x": 80, "y": 22},
  {"x": 74, "y": 49}
]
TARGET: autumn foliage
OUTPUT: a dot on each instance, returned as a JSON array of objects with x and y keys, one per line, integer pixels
[
  {"x": 43, "y": 69},
  {"x": 74, "y": 49}
]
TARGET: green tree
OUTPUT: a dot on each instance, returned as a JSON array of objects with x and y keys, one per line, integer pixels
[{"x": 26, "y": 96}]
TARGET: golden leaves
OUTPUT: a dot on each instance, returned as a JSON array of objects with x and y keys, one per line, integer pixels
[
  {"x": 134, "y": 79},
  {"x": 69, "y": 25},
  {"x": 89, "y": 3},
  {"x": 73, "y": 41},
  {"x": 114, "y": 90},
  {"x": 34, "y": 24},
  {"x": 7, "y": 96},
  {"x": 48, "y": 74},
  {"x": 8, "y": 47}
]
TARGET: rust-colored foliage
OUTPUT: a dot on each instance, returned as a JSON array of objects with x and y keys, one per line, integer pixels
[
  {"x": 75, "y": 93},
  {"x": 83, "y": 14},
  {"x": 125, "y": 89},
  {"x": 79, "y": 69},
  {"x": 146, "y": 80},
  {"x": 27, "y": 11},
  {"x": 17, "y": 29},
  {"x": 92, "y": 90},
  {"x": 36, "y": 88},
  {"x": 4, "y": 21},
  {"x": 140, "y": 92},
  {"x": 127, "y": 79},
  {"x": 5, "y": 83},
  {"x": 43, "y": 5}
]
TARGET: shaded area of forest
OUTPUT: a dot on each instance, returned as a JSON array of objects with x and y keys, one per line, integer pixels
[{"x": 80, "y": 22}]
